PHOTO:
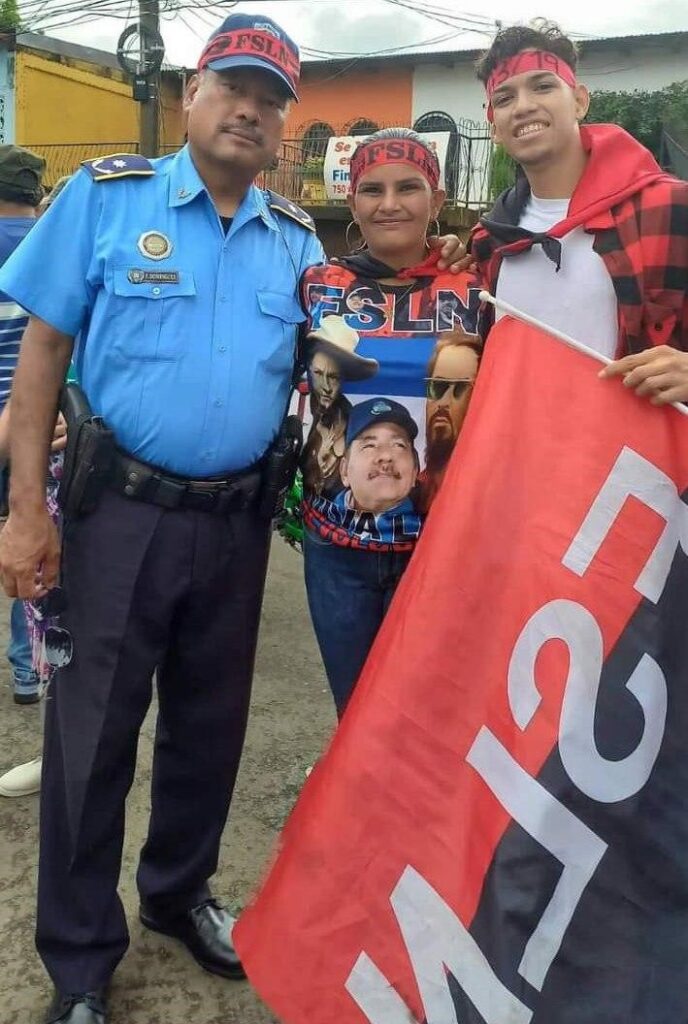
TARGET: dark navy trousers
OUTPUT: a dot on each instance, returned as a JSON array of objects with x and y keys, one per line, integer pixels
[{"x": 149, "y": 591}]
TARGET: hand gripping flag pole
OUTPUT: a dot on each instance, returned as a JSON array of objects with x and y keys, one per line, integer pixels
[{"x": 506, "y": 307}]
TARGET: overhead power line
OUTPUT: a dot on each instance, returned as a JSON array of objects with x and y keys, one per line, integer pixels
[
  {"x": 48, "y": 15},
  {"x": 468, "y": 20}
]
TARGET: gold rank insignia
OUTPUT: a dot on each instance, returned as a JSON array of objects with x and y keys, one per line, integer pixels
[{"x": 154, "y": 245}]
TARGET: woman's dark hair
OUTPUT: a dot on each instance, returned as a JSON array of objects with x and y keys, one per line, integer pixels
[{"x": 539, "y": 35}]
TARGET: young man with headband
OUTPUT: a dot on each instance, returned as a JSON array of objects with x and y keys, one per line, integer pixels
[{"x": 593, "y": 237}]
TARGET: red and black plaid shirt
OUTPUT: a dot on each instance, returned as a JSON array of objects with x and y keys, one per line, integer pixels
[{"x": 644, "y": 244}]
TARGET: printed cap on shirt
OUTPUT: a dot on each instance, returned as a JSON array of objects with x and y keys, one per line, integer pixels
[{"x": 379, "y": 410}]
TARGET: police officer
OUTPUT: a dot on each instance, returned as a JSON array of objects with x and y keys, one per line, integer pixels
[{"x": 179, "y": 278}]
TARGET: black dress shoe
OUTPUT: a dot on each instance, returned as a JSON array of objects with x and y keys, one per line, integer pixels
[
  {"x": 206, "y": 931},
  {"x": 88, "y": 1008}
]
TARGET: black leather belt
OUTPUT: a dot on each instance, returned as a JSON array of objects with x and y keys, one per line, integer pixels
[{"x": 142, "y": 482}]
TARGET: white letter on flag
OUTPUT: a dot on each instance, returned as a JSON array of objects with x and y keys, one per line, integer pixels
[
  {"x": 437, "y": 943},
  {"x": 574, "y": 845},
  {"x": 633, "y": 476},
  {"x": 604, "y": 780}
]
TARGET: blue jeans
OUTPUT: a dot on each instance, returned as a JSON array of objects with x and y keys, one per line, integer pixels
[
  {"x": 19, "y": 653},
  {"x": 349, "y": 592}
]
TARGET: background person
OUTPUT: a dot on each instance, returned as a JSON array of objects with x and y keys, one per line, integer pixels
[
  {"x": 25, "y": 779},
  {"x": 21, "y": 190},
  {"x": 354, "y": 557}
]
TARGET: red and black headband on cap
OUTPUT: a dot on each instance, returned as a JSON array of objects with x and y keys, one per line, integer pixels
[
  {"x": 250, "y": 41},
  {"x": 527, "y": 60},
  {"x": 375, "y": 153}
]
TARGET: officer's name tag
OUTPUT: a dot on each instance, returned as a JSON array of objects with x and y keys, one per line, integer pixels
[{"x": 153, "y": 276}]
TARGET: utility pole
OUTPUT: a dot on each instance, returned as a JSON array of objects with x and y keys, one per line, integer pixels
[{"x": 149, "y": 128}]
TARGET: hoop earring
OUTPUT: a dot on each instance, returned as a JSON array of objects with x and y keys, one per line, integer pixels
[
  {"x": 436, "y": 225},
  {"x": 353, "y": 248}
]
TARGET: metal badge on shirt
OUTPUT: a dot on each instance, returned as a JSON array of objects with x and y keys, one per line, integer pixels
[{"x": 154, "y": 245}]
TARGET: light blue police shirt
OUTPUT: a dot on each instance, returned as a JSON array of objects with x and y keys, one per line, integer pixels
[{"x": 188, "y": 358}]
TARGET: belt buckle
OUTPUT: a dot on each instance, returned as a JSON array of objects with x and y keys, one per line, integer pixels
[
  {"x": 205, "y": 486},
  {"x": 205, "y": 495}
]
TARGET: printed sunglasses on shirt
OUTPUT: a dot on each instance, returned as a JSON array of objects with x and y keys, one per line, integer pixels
[{"x": 436, "y": 387}]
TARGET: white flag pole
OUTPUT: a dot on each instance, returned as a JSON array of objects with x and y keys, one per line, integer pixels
[{"x": 506, "y": 307}]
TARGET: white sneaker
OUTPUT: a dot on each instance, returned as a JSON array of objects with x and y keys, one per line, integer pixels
[{"x": 23, "y": 780}]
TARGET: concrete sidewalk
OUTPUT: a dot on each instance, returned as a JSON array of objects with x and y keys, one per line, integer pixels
[{"x": 158, "y": 983}]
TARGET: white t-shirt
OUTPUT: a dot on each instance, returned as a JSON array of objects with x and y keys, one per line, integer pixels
[{"x": 579, "y": 300}]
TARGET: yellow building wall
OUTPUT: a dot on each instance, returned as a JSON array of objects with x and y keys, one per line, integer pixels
[
  {"x": 56, "y": 103},
  {"x": 69, "y": 112}
]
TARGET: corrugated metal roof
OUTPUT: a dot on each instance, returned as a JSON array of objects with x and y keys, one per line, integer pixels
[
  {"x": 446, "y": 56},
  {"x": 60, "y": 47}
]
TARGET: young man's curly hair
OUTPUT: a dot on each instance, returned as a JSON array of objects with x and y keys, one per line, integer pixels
[{"x": 539, "y": 35}]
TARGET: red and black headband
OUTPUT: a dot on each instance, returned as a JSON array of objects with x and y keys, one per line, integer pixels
[
  {"x": 527, "y": 60},
  {"x": 394, "y": 151},
  {"x": 260, "y": 46}
]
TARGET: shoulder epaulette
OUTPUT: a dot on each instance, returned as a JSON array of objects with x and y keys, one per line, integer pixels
[
  {"x": 289, "y": 209},
  {"x": 119, "y": 165}
]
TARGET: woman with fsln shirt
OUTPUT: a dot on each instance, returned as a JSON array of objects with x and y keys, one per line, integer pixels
[{"x": 376, "y": 317}]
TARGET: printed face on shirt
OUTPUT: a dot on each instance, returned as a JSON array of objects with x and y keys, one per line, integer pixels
[
  {"x": 326, "y": 379},
  {"x": 393, "y": 205},
  {"x": 380, "y": 467},
  {"x": 236, "y": 117},
  {"x": 536, "y": 117},
  {"x": 448, "y": 395}
]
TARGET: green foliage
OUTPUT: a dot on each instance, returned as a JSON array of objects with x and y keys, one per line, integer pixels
[
  {"x": 502, "y": 172},
  {"x": 313, "y": 166},
  {"x": 9, "y": 16},
  {"x": 642, "y": 113}
]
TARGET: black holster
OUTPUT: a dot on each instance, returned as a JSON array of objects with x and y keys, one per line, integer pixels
[
  {"x": 279, "y": 469},
  {"x": 88, "y": 456}
]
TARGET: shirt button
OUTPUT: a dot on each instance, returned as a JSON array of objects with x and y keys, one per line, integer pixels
[
  {"x": 218, "y": 402},
  {"x": 221, "y": 348},
  {"x": 156, "y": 291}
]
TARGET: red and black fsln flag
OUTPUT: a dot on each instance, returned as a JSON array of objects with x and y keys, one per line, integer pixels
[{"x": 499, "y": 831}]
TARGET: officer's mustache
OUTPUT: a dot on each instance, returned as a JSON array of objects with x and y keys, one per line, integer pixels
[{"x": 252, "y": 134}]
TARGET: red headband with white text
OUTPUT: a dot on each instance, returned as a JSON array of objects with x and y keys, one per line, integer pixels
[
  {"x": 259, "y": 45},
  {"x": 394, "y": 151},
  {"x": 527, "y": 60}
]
